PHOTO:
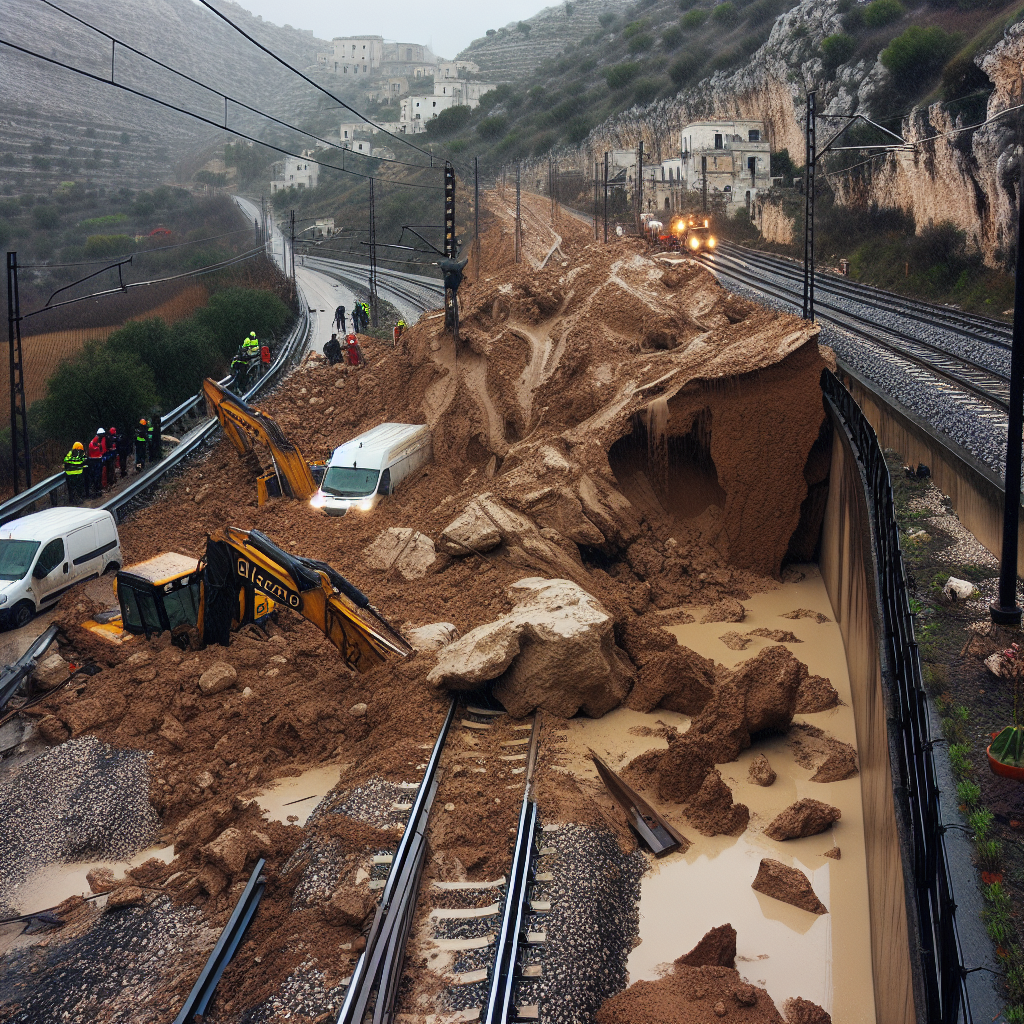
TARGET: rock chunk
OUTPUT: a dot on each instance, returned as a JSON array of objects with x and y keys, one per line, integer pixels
[
  {"x": 348, "y": 907},
  {"x": 410, "y": 553},
  {"x": 780, "y": 636},
  {"x": 829, "y": 758},
  {"x": 717, "y": 949},
  {"x": 125, "y": 896},
  {"x": 816, "y": 693},
  {"x": 471, "y": 531},
  {"x": 835, "y": 853},
  {"x": 712, "y": 811},
  {"x": 787, "y": 884},
  {"x": 726, "y": 610},
  {"x": 676, "y": 679},
  {"x": 555, "y": 650},
  {"x": 805, "y": 613},
  {"x": 760, "y": 772},
  {"x": 101, "y": 880},
  {"x": 218, "y": 677},
  {"x": 227, "y": 852},
  {"x": 50, "y": 672},
  {"x": 174, "y": 732},
  {"x": 803, "y": 1011},
  {"x": 735, "y": 641},
  {"x": 804, "y": 818},
  {"x": 433, "y": 636}
]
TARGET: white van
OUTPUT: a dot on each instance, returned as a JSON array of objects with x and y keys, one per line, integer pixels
[
  {"x": 371, "y": 465},
  {"x": 44, "y": 554}
]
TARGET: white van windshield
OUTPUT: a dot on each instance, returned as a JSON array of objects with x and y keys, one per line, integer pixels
[
  {"x": 349, "y": 482},
  {"x": 16, "y": 558}
]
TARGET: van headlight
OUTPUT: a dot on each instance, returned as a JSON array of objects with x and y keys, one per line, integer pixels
[
  {"x": 366, "y": 505},
  {"x": 318, "y": 500},
  {"x": 3, "y": 599}
]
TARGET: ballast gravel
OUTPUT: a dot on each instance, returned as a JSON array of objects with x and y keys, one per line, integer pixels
[{"x": 83, "y": 800}]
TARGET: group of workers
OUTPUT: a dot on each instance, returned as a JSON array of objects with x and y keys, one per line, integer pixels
[
  {"x": 360, "y": 318},
  {"x": 89, "y": 471},
  {"x": 352, "y": 353}
]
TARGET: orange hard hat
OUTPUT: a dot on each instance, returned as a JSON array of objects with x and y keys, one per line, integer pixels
[
  {"x": 78, "y": 446},
  {"x": 142, "y": 423}
]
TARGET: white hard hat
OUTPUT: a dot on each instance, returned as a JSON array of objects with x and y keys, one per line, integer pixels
[{"x": 101, "y": 431}]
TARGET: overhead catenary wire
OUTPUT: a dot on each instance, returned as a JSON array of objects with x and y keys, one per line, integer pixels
[
  {"x": 215, "y": 124},
  {"x": 217, "y": 92}
]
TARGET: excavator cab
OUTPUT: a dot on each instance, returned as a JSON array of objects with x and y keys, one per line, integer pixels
[{"x": 165, "y": 593}]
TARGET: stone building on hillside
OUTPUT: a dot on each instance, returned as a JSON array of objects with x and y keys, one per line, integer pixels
[
  {"x": 353, "y": 55},
  {"x": 736, "y": 155},
  {"x": 297, "y": 172}
]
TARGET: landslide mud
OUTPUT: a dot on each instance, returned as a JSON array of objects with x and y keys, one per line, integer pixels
[{"x": 629, "y": 414}]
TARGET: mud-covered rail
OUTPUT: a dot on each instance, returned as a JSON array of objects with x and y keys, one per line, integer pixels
[
  {"x": 373, "y": 986},
  {"x": 231, "y": 938}
]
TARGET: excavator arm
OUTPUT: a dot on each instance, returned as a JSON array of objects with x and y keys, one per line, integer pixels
[
  {"x": 250, "y": 562},
  {"x": 292, "y": 475}
]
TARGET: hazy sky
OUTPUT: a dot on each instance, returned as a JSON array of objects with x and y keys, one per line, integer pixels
[{"x": 448, "y": 27}]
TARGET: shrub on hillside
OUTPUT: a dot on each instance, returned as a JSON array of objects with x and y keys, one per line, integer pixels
[
  {"x": 491, "y": 128},
  {"x": 645, "y": 90},
  {"x": 694, "y": 19},
  {"x": 106, "y": 246},
  {"x": 620, "y": 75},
  {"x": 782, "y": 166},
  {"x": 725, "y": 14},
  {"x": 449, "y": 122},
  {"x": 685, "y": 69},
  {"x": 46, "y": 217},
  {"x": 641, "y": 43},
  {"x": 918, "y": 54},
  {"x": 837, "y": 49},
  {"x": 634, "y": 28},
  {"x": 671, "y": 37},
  {"x": 882, "y": 12}
]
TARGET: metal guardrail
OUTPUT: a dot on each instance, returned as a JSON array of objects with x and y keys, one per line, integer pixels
[
  {"x": 231, "y": 938},
  {"x": 12, "y": 676},
  {"x": 13, "y": 507},
  {"x": 913, "y": 765},
  {"x": 379, "y": 966}
]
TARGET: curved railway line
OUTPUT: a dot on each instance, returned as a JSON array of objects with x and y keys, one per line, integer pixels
[
  {"x": 422, "y": 293},
  {"x": 963, "y": 378}
]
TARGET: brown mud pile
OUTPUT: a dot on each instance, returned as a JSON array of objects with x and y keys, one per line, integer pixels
[
  {"x": 703, "y": 986},
  {"x": 802, "y": 819},
  {"x": 606, "y": 422}
]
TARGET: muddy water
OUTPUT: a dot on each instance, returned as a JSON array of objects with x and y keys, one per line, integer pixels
[
  {"x": 788, "y": 951},
  {"x": 298, "y": 795}
]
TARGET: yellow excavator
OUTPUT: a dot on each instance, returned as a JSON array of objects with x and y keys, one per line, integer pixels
[
  {"x": 291, "y": 476},
  {"x": 243, "y": 577}
]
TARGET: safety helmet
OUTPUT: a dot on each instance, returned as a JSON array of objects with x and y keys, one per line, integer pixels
[
  {"x": 142, "y": 423},
  {"x": 78, "y": 447},
  {"x": 100, "y": 431},
  {"x": 252, "y": 334},
  {"x": 113, "y": 430}
]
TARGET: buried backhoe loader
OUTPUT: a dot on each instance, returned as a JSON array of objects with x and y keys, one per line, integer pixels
[
  {"x": 242, "y": 579},
  {"x": 291, "y": 476}
]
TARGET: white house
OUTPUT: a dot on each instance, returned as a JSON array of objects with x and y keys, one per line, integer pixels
[
  {"x": 466, "y": 94},
  {"x": 417, "y": 110},
  {"x": 736, "y": 154},
  {"x": 353, "y": 55},
  {"x": 299, "y": 172}
]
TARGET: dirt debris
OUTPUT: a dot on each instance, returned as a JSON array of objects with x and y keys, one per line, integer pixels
[
  {"x": 806, "y": 613},
  {"x": 760, "y": 771},
  {"x": 726, "y": 610},
  {"x": 830, "y": 759},
  {"x": 716, "y": 949},
  {"x": 803, "y": 1011}
]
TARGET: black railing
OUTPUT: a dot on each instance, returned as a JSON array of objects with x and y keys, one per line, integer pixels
[{"x": 913, "y": 767}]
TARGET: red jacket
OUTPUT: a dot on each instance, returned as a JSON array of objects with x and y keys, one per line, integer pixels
[{"x": 97, "y": 448}]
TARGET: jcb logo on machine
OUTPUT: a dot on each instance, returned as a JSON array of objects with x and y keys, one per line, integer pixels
[{"x": 263, "y": 580}]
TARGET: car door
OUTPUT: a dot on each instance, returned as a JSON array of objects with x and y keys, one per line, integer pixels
[
  {"x": 82, "y": 552},
  {"x": 51, "y": 573}
]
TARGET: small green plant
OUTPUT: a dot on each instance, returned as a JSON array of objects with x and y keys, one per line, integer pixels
[
  {"x": 968, "y": 792},
  {"x": 996, "y": 915},
  {"x": 694, "y": 19},
  {"x": 959, "y": 760},
  {"x": 980, "y": 823},
  {"x": 882, "y": 12},
  {"x": 837, "y": 49},
  {"x": 915, "y": 606},
  {"x": 990, "y": 854}
]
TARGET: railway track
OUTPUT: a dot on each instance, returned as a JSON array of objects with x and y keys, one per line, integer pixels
[
  {"x": 482, "y": 926},
  {"x": 963, "y": 380},
  {"x": 421, "y": 293}
]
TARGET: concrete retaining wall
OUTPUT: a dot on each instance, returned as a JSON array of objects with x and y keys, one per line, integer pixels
[{"x": 849, "y": 571}]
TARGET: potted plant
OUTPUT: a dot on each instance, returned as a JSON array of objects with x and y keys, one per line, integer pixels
[{"x": 1006, "y": 751}]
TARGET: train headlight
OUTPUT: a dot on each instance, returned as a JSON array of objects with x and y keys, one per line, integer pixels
[
  {"x": 712, "y": 242},
  {"x": 694, "y": 243}
]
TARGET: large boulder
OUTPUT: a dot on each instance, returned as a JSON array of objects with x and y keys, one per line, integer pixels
[
  {"x": 410, "y": 553},
  {"x": 555, "y": 650},
  {"x": 676, "y": 679}
]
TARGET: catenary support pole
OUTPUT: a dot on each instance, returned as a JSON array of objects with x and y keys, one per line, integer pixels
[
  {"x": 476, "y": 213},
  {"x": 704, "y": 183},
  {"x": 596, "y": 236},
  {"x": 292, "y": 252},
  {"x": 606, "y": 196},
  {"x": 639, "y": 183},
  {"x": 1005, "y": 610},
  {"x": 811, "y": 156},
  {"x": 519, "y": 223},
  {"x": 373, "y": 258},
  {"x": 21, "y": 455}
]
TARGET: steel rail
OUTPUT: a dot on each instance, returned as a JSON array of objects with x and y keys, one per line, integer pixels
[
  {"x": 349, "y": 272},
  {"x": 931, "y": 312},
  {"x": 198, "y": 1001},
  {"x": 501, "y": 985},
  {"x": 379, "y": 967},
  {"x": 12, "y": 676},
  {"x": 843, "y": 320}
]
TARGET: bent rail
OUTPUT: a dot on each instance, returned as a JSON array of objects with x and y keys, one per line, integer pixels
[{"x": 913, "y": 765}]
